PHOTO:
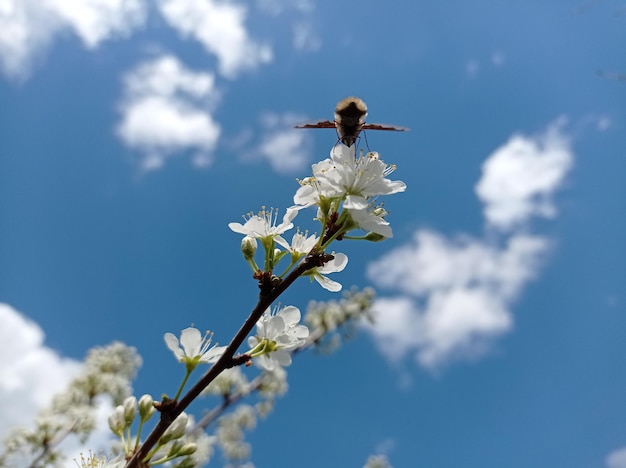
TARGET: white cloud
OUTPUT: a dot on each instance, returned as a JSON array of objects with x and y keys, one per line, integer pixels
[
  {"x": 28, "y": 27},
  {"x": 520, "y": 177},
  {"x": 433, "y": 263},
  {"x": 298, "y": 13},
  {"x": 220, "y": 28},
  {"x": 166, "y": 110},
  {"x": 30, "y": 372},
  {"x": 286, "y": 149},
  {"x": 95, "y": 21},
  {"x": 455, "y": 294},
  {"x": 616, "y": 459},
  {"x": 396, "y": 330}
]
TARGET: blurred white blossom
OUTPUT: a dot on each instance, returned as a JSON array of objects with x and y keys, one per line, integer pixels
[
  {"x": 377, "y": 461},
  {"x": 230, "y": 433},
  {"x": 329, "y": 321},
  {"x": 228, "y": 382},
  {"x": 107, "y": 372}
]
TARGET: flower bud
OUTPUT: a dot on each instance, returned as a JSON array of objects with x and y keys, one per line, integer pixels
[
  {"x": 146, "y": 407},
  {"x": 117, "y": 421},
  {"x": 176, "y": 429},
  {"x": 248, "y": 247},
  {"x": 187, "y": 449},
  {"x": 130, "y": 409}
]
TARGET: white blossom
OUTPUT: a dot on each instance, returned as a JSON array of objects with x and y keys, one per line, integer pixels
[
  {"x": 277, "y": 334},
  {"x": 354, "y": 181},
  {"x": 361, "y": 177},
  {"x": 348, "y": 177},
  {"x": 95, "y": 461},
  {"x": 301, "y": 244},
  {"x": 263, "y": 226},
  {"x": 193, "y": 348}
]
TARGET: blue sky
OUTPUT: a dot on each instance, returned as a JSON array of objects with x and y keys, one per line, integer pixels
[{"x": 133, "y": 132}]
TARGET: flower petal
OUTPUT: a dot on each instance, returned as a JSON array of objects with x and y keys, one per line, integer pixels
[
  {"x": 191, "y": 341},
  {"x": 291, "y": 315},
  {"x": 172, "y": 343},
  {"x": 213, "y": 354},
  {"x": 336, "y": 264},
  {"x": 355, "y": 202},
  {"x": 327, "y": 284},
  {"x": 264, "y": 362},
  {"x": 238, "y": 228},
  {"x": 282, "y": 357},
  {"x": 275, "y": 327},
  {"x": 370, "y": 222}
]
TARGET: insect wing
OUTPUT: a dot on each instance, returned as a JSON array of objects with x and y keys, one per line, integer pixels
[
  {"x": 373, "y": 126},
  {"x": 320, "y": 124}
]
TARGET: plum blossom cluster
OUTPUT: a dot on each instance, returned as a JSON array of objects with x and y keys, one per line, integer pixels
[
  {"x": 345, "y": 189},
  {"x": 332, "y": 321},
  {"x": 105, "y": 375}
]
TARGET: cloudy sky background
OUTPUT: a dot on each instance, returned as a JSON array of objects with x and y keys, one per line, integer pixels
[{"x": 134, "y": 132}]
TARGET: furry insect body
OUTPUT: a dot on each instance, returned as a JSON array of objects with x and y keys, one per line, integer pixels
[{"x": 349, "y": 121}]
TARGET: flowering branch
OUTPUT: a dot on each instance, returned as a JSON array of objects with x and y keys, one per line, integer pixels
[
  {"x": 171, "y": 409},
  {"x": 324, "y": 319},
  {"x": 344, "y": 189}
]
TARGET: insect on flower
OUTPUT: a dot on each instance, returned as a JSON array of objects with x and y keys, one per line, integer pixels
[{"x": 349, "y": 120}]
